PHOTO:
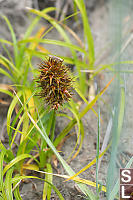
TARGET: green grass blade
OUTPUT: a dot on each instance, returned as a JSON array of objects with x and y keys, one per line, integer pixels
[
  {"x": 17, "y": 116},
  {"x": 6, "y": 92},
  {"x": 122, "y": 108},
  {"x": 87, "y": 32},
  {"x": 68, "y": 169},
  {"x": 57, "y": 26},
  {"x": 6, "y": 42},
  {"x": 2, "y": 189},
  {"x": 52, "y": 21},
  {"x": 2, "y": 71},
  {"x": 49, "y": 179},
  {"x": 83, "y": 112},
  {"x": 16, "y": 160},
  {"x": 74, "y": 110},
  {"x": 64, "y": 115},
  {"x": 28, "y": 33},
  {"x": 17, "y": 193},
  {"x": 24, "y": 128},
  {"x": 13, "y": 38},
  {"x": 47, "y": 187},
  {"x": 8, "y": 184},
  {"x": 12, "y": 66},
  {"x": 117, "y": 128},
  {"x": 8, "y": 54},
  {"x": 16, "y": 189},
  {"x": 97, "y": 154},
  {"x": 53, "y": 126},
  {"x": 47, "y": 120},
  {"x": 2, "y": 154},
  {"x": 117, "y": 185},
  {"x": 35, "y": 21},
  {"x": 9, "y": 155},
  {"x": 33, "y": 141},
  {"x": 55, "y": 42},
  {"x": 34, "y": 177},
  {"x": 17, "y": 128},
  {"x": 11, "y": 109}
]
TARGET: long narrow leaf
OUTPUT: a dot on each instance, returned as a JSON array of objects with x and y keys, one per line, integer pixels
[
  {"x": 83, "y": 112},
  {"x": 2, "y": 154},
  {"x": 89, "y": 165},
  {"x": 16, "y": 160},
  {"x": 2, "y": 71},
  {"x": 87, "y": 31},
  {"x": 13, "y": 38},
  {"x": 10, "y": 110},
  {"x": 8, "y": 184},
  {"x": 34, "y": 177},
  {"x": 117, "y": 186},
  {"x": 47, "y": 187},
  {"x": 43, "y": 133}
]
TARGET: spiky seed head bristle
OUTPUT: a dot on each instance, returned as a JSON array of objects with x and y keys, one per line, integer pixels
[{"x": 55, "y": 82}]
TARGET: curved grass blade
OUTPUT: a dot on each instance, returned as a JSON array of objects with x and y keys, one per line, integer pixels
[
  {"x": 34, "y": 177},
  {"x": 6, "y": 89},
  {"x": 8, "y": 153},
  {"x": 84, "y": 99},
  {"x": 87, "y": 32},
  {"x": 16, "y": 52},
  {"x": 2, "y": 71},
  {"x": 16, "y": 191},
  {"x": 36, "y": 20},
  {"x": 90, "y": 164},
  {"x": 4, "y": 64},
  {"x": 90, "y": 183},
  {"x": 6, "y": 92},
  {"x": 79, "y": 135},
  {"x": 83, "y": 112},
  {"x": 61, "y": 31},
  {"x": 55, "y": 42},
  {"x": 28, "y": 33},
  {"x": 2, "y": 189},
  {"x": 17, "y": 129},
  {"x": 81, "y": 142},
  {"x": 30, "y": 101},
  {"x": 19, "y": 113},
  {"x": 8, "y": 54},
  {"x": 31, "y": 167},
  {"x": 16, "y": 160},
  {"x": 12, "y": 66},
  {"x": 21, "y": 58},
  {"x": 64, "y": 115},
  {"x": 43, "y": 133},
  {"x": 2, "y": 154},
  {"x": 11, "y": 109},
  {"x": 8, "y": 184},
  {"x": 76, "y": 179},
  {"x": 6, "y": 42}
]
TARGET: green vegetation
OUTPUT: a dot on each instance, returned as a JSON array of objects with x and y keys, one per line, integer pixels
[{"x": 26, "y": 115}]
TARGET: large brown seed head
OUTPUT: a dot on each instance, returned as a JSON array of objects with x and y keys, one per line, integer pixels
[{"x": 55, "y": 82}]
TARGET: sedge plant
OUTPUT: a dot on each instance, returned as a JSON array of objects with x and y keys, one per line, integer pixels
[
  {"x": 35, "y": 123},
  {"x": 31, "y": 123}
]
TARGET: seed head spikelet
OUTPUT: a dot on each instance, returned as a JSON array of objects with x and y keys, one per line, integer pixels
[{"x": 55, "y": 82}]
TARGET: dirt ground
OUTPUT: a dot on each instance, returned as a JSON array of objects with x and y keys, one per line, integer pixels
[{"x": 99, "y": 21}]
